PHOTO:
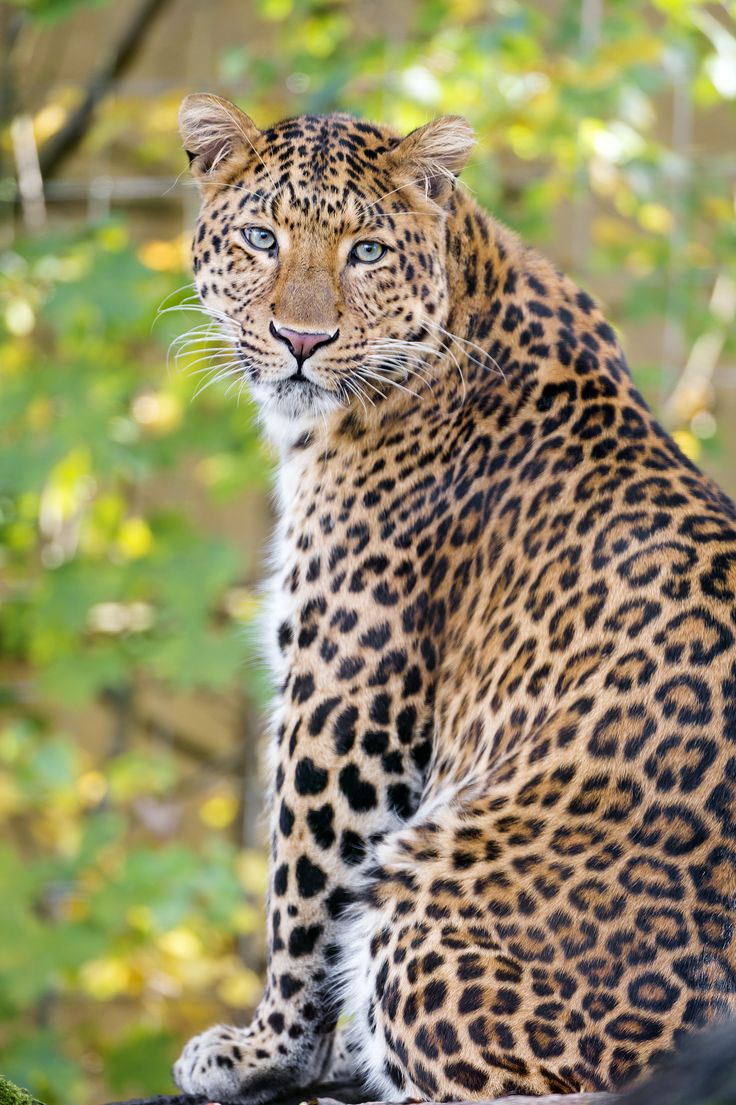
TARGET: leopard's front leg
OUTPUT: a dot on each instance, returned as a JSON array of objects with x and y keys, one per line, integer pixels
[{"x": 350, "y": 757}]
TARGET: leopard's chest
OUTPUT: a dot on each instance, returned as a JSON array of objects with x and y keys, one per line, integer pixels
[{"x": 306, "y": 508}]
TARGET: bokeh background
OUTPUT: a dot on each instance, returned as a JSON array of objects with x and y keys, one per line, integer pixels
[{"x": 133, "y": 514}]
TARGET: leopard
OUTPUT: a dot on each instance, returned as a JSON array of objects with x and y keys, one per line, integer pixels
[{"x": 500, "y": 622}]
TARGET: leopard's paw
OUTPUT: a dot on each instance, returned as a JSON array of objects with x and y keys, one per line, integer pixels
[
  {"x": 229, "y": 1064},
  {"x": 216, "y": 1063}
]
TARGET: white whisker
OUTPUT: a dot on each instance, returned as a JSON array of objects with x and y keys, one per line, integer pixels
[
  {"x": 407, "y": 184},
  {"x": 401, "y": 366},
  {"x": 474, "y": 345},
  {"x": 220, "y": 375},
  {"x": 366, "y": 374},
  {"x": 212, "y": 362}
]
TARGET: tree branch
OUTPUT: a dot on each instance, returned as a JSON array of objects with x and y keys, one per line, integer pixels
[{"x": 122, "y": 53}]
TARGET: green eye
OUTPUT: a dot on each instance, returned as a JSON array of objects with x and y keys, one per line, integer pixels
[
  {"x": 367, "y": 252},
  {"x": 258, "y": 237}
]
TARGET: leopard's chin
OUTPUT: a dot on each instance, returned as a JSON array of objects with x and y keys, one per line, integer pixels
[{"x": 296, "y": 398}]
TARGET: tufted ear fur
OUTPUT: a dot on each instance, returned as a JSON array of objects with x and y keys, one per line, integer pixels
[
  {"x": 433, "y": 155},
  {"x": 214, "y": 131}
]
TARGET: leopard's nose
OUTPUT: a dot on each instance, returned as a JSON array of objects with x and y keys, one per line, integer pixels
[{"x": 302, "y": 343}]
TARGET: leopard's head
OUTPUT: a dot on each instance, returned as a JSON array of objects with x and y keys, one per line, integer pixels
[{"x": 320, "y": 249}]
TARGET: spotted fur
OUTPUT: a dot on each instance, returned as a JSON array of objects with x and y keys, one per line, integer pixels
[{"x": 502, "y": 623}]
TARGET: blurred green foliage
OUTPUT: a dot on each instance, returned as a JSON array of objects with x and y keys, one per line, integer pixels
[
  {"x": 89, "y": 416},
  {"x": 123, "y": 928},
  {"x": 100, "y": 590}
]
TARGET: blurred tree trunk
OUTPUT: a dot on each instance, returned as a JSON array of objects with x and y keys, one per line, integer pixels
[{"x": 11, "y": 22}]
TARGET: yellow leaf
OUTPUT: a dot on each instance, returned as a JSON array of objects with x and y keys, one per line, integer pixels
[
  {"x": 216, "y": 469},
  {"x": 466, "y": 9},
  {"x": 621, "y": 52},
  {"x": 218, "y": 811},
  {"x": 275, "y": 9},
  {"x": 158, "y": 411},
  {"x": 640, "y": 262},
  {"x": 246, "y": 919},
  {"x": 92, "y": 787},
  {"x": 689, "y": 444},
  {"x": 139, "y": 917},
  {"x": 609, "y": 231},
  {"x": 57, "y": 832},
  {"x": 14, "y": 357},
  {"x": 10, "y": 798},
  {"x": 113, "y": 238},
  {"x": 105, "y": 978},
  {"x": 655, "y": 217},
  {"x": 241, "y": 988},
  {"x": 135, "y": 538},
  {"x": 49, "y": 119},
  {"x": 74, "y": 908},
  {"x": 181, "y": 943},
  {"x": 164, "y": 255},
  {"x": 523, "y": 140}
]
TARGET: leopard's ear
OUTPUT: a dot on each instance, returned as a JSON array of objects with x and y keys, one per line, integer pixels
[
  {"x": 433, "y": 155},
  {"x": 214, "y": 132}
]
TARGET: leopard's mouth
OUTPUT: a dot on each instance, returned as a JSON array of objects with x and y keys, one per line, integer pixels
[
  {"x": 296, "y": 396},
  {"x": 299, "y": 384}
]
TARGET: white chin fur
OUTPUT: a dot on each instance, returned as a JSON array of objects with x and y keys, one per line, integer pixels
[{"x": 286, "y": 415}]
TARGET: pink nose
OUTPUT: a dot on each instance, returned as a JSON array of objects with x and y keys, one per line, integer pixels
[{"x": 302, "y": 343}]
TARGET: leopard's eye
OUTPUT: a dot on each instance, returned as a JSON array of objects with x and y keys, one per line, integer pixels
[
  {"x": 367, "y": 252},
  {"x": 258, "y": 237}
]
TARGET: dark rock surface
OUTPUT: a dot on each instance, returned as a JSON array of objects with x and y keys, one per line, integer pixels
[{"x": 351, "y": 1095}]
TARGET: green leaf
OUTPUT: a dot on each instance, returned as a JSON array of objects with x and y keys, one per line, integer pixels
[{"x": 140, "y": 1061}]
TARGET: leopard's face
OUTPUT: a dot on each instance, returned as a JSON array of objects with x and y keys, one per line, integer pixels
[{"x": 320, "y": 250}]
